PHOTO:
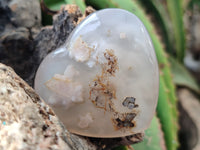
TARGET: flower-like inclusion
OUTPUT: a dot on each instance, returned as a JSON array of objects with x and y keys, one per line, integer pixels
[{"x": 103, "y": 82}]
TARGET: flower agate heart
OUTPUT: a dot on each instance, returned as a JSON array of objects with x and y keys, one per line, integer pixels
[{"x": 103, "y": 82}]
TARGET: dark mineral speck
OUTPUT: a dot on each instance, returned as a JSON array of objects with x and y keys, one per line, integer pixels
[
  {"x": 125, "y": 120},
  {"x": 129, "y": 102}
]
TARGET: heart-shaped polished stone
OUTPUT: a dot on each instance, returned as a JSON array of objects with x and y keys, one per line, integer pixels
[{"x": 103, "y": 82}]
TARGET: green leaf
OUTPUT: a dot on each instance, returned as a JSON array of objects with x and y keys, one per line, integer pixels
[
  {"x": 165, "y": 112},
  {"x": 153, "y": 139},
  {"x": 54, "y": 4},
  {"x": 157, "y": 8},
  {"x": 176, "y": 14},
  {"x": 181, "y": 76}
]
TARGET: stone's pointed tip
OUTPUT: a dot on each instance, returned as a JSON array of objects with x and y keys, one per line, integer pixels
[{"x": 111, "y": 80}]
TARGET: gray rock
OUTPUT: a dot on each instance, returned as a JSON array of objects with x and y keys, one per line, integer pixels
[
  {"x": 189, "y": 120},
  {"x": 26, "y": 122},
  {"x": 26, "y": 13},
  {"x": 20, "y": 21}
]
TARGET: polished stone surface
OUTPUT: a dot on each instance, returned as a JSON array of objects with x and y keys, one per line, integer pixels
[{"x": 103, "y": 82}]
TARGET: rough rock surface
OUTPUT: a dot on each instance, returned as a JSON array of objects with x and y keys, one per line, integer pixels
[
  {"x": 26, "y": 122},
  {"x": 23, "y": 46},
  {"x": 20, "y": 22},
  {"x": 52, "y": 37},
  {"x": 31, "y": 17},
  {"x": 189, "y": 120}
]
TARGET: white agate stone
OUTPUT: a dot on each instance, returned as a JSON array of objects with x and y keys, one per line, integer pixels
[{"x": 104, "y": 81}]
